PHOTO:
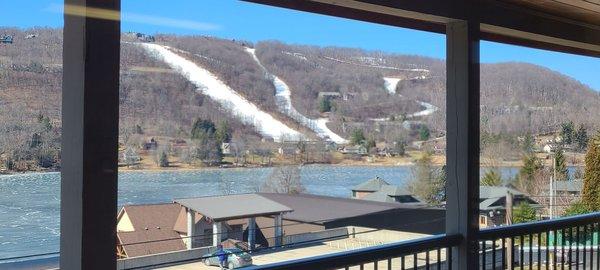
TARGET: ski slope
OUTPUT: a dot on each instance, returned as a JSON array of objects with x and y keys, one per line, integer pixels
[
  {"x": 211, "y": 86},
  {"x": 283, "y": 94},
  {"x": 391, "y": 84}
]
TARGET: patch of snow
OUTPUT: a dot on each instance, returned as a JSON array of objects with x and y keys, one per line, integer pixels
[
  {"x": 214, "y": 88},
  {"x": 377, "y": 65},
  {"x": 284, "y": 101},
  {"x": 297, "y": 55},
  {"x": 429, "y": 109},
  {"x": 391, "y": 84}
]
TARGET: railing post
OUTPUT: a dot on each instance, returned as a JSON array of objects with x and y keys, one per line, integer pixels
[
  {"x": 462, "y": 124},
  {"x": 90, "y": 128}
]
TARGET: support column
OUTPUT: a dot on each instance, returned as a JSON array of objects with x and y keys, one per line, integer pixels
[
  {"x": 191, "y": 228},
  {"x": 251, "y": 232},
  {"x": 462, "y": 124},
  {"x": 217, "y": 233},
  {"x": 90, "y": 126},
  {"x": 278, "y": 220}
]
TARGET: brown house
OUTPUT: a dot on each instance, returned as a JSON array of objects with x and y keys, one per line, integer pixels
[{"x": 148, "y": 229}]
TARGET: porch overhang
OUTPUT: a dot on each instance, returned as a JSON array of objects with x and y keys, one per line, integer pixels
[{"x": 558, "y": 25}]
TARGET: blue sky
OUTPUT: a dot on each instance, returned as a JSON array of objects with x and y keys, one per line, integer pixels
[{"x": 240, "y": 20}]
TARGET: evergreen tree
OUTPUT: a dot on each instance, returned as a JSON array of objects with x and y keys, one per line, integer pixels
[
  {"x": 492, "y": 177},
  {"x": 524, "y": 212},
  {"x": 324, "y": 104},
  {"x": 567, "y": 132},
  {"x": 581, "y": 138},
  {"x": 223, "y": 133},
  {"x": 528, "y": 143},
  {"x": 576, "y": 208},
  {"x": 590, "y": 196},
  {"x": 562, "y": 173},
  {"x": 163, "y": 159},
  {"x": 203, "y": 129},
  {"x": 526, "y": 180},
  {"x": 424, "y": 133},
  {"x": 357, "y": 137}
]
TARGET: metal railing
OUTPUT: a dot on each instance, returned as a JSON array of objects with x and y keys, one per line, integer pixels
[
  {"x": 423, "y": 253},
  {"x": 564, "y": 243}
]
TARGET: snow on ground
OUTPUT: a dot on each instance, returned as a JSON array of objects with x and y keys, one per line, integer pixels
[
  {"x": 376, "y": 65},
  {"x": 391, "y": 84},
  {"x": 284, "y": 101},
  {"x": 214, "y": 88}
]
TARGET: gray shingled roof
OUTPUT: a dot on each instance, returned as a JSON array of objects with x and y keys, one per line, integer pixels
[
  {"x": 569, "y": 186},
  {"x": 234, "y": 206},
  {"x": 374, "y": 184},
  {"x": 493, "y": 198},
  {"x": 387, "y": 194},
  {"x": 487, "y": 192}
]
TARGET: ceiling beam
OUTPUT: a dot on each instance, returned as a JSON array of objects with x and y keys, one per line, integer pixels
[{"x": 500, "y": 22}]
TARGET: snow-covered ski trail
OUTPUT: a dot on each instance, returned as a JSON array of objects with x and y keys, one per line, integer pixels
[
  {"x": 284, "y": 101},
  {"x": 214, "y": 88},
  {"x": 390, "y": 85}
]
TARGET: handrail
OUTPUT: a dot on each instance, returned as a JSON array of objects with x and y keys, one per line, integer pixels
[
  {"x": 364, "y": 255},
  {"x": 538, "y": 226}
]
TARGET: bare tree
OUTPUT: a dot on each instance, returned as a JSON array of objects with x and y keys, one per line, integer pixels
[{"x": 285, "y": 179}]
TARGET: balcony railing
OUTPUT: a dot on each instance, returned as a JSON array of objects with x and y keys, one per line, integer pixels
[
  {"x": 427, "y": 252},
  {"x": 564, "y": 243}
]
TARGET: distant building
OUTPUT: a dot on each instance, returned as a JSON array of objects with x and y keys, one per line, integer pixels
[
  {"x": 354, "y": 150},
  {"x": 379, "y": 190},
  {"x": 288, "y": 149},
  {"x": 388, "y": 152},
  {"x": 492, "y": 204},
  {"x": 226, "y": 148},
  {"x": 329, "y": 95},
  {"x": 144, "y": 37},
  {"x": 368, "y": 187},
  {"x": 568, "y": 188},
  {"x": 152, "y": 144},
  {"x": 141, "y": 227},
  {"x": 6, "y": 39}
]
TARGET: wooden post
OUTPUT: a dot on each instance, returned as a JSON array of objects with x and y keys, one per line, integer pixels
[
  {"x": 191, "y": 228},
  {"x": 462, "y": 156},
  {"x": 90, "y": 126},
  {"x": 251, "y": 233}
]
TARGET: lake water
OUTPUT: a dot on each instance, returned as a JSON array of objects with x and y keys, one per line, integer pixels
[{"x": 30, "y": 203}]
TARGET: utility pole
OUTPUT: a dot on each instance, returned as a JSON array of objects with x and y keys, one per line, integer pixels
[{"x": 509, "y": 216}]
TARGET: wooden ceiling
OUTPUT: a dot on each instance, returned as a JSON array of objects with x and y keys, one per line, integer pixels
[
  {"x": 585, "y": 11},
  {"x": 571, "y": 26}
]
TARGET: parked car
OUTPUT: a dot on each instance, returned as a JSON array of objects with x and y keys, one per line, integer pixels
[{"x": 236, "y": 258}]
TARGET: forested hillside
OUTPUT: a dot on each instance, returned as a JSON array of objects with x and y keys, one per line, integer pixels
[{"x": 387, "y": 96}]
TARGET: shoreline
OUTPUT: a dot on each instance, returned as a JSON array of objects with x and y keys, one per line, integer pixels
[{"x": 199, "y": 169}]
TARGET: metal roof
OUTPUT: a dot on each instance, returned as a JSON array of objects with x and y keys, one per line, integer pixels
[
  {"x": 374, "y": 184},
  {"x": 319, "y": 209},
  {"x": 569, "y": 186},
  {"x": 233, "y": 206}
]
